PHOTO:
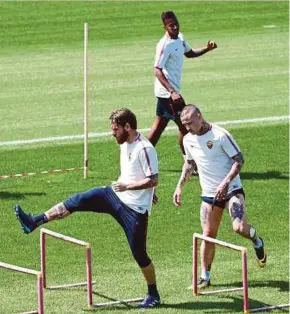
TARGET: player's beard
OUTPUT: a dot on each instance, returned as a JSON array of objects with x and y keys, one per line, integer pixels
[{"x": 122, "y": 138}]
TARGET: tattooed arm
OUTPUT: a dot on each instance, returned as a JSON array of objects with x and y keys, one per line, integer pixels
[
  {"x": 187, "y": 170},
  {"x": 222, "y": 189}
]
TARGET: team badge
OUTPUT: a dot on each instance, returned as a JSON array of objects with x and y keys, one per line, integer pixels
[{"x": 209, "y": 144}]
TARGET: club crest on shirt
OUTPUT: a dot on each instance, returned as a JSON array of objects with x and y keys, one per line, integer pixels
[{"x": 209, "y": 144}]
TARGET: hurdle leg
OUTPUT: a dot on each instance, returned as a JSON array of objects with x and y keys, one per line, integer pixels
[
  {"x": 245, "y": 281},
  {"x": 89, "y": 276},
  {"x": 194, "y": 265}
]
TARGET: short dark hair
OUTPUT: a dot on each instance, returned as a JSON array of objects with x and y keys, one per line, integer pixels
[
  {"x": 168, "y": 15},
  {"x": 123, "y": 116}
]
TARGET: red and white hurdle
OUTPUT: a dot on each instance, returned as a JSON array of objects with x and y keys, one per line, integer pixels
[
  {"x": 243, "y": 251},
  {"x": 89, "y": 282},
  {"x": 39, "y": 284}
]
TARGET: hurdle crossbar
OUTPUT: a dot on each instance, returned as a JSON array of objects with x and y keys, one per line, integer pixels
[
  {"x": 243, "y": 250},
  {"x": 88, "y": 283},
  {"x": 39, "y": 284}
]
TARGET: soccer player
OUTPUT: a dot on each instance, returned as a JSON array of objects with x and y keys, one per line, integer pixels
[
  {"x": 129, "y": 200},
  {"x": 170, "y": 52},
  {"x": 219, "y": 162}
]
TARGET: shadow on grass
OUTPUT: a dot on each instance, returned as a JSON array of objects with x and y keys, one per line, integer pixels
[
  {"x": 283, "y": 286},
  {"x": 264, "y": 175},
  {"x": 228, "y": 304},
  {"x": 249, "y": 175},
  {"x": 124, "y": 306},
  {"x": 11, "y": 195}
]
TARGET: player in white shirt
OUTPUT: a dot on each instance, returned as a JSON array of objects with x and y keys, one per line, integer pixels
[
  {"x": 170, "y": 52},
  {"x": 219, "y": 161},
  {"x": 128, "y": 200}
]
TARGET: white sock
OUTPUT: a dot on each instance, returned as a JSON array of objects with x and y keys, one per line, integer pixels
[{"x": 205, "y": 275}]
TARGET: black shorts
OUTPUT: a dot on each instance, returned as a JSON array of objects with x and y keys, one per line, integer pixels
[
  {"x": 167, "y": 109},
  {"x": 222, "y": 203}
]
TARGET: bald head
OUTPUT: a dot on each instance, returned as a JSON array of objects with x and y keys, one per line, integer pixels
[{"x": 192, "y": 119}]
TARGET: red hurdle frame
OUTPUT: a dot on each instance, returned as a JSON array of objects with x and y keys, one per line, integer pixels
[
  {"x": 39, "y": 284},
  {"x": 88, "y": 283},
  {"x": 241, "y": 249}
]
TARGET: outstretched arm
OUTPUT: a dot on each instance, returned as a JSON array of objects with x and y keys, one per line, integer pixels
[
  {"x": 187, "y": 170},
  {"x": 193, "y": 53}
]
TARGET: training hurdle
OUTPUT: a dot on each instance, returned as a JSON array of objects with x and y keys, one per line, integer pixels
[
  {"x": 39, "y": 284},
  {"x": 89, "y": 282},
  {"x": 241, "y": 249}
]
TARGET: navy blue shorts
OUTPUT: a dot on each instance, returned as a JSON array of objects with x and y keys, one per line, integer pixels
[
  {"x": 166, "y": 109},
  {"x": 222, "y": 203},
  {"x": 104, "y": 200}
]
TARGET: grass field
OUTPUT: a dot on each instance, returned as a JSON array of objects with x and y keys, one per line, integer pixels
[{"x": 41, "y": 96}]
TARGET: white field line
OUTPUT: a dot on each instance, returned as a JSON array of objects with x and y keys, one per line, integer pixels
[{"x": 104, "y": 134}]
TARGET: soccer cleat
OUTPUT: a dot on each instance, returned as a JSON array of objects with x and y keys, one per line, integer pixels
[
  {"x": 203, "y": 283},
  {"x": 26, "y": 221},
  {"x": 149, "y": 302},
  {"x": 261, "y": 254}
]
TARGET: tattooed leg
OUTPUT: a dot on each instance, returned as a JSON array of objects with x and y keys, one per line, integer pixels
[
  {"x": 58, "y": 211},
  {"x": 237, "y": 213}
]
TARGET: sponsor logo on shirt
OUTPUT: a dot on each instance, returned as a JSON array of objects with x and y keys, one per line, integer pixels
[{"x": 209, "y": 144}]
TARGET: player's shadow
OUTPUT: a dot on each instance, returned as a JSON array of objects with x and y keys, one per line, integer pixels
[
  {"x": 283, "y": 286},
  {"x": 248, "y": 175},
  {"x": 263, "y": 175},
  {"x": 15, "y": 195},
  {"x": 229, "y": 304}
]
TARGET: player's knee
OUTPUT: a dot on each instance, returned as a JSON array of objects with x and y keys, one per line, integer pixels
[
  {"x": 238, "y": 226},
  {"x": 142, "y": 259},
  {"x": 209, "y": 233}
]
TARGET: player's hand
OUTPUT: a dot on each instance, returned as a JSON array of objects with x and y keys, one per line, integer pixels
[
  {"x": 119, "y": 186},
  {"x": 177, "y": 197},
  {"x": 155, "y": 199},
  {"x": 211, "y": 45},
  {"x": 177, "y": 98},
  {"x": 221, "y": 191}
]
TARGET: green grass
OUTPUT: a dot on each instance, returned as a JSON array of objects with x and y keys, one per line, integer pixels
[
  {"x": 265, "y": 178},
  {"x": 42, "y": 58},
  {"x": 41, "y": 95}
]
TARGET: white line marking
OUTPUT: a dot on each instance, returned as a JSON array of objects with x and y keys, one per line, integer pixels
[
  {"x": 269, "y": 26},
  {"x": 104, "y": 134}
]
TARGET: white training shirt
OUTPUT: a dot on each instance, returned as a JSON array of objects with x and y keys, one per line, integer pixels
[
  {"x": 169, "y": 57},
  {"x": 138, "y": 161},
  {"x": 212, "y": 154}
]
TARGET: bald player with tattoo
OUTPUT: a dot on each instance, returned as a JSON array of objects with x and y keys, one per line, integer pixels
[
  {"x": 219, "y": 161},
  {"x": 128, "y": 201}
]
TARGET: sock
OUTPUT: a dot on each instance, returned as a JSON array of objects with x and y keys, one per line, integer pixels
[
  {"x": 152, "y": 290},
  {"x": 205, "y": 275},
  {"x": 253, "y": 234},
  {"x": 258, "y": 243},
  {"x": 40, "y": 219}
]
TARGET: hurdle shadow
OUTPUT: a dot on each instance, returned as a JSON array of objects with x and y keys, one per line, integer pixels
[
  {"x": 118, "y": 307},
  {"x": 15, "y": 195}
]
